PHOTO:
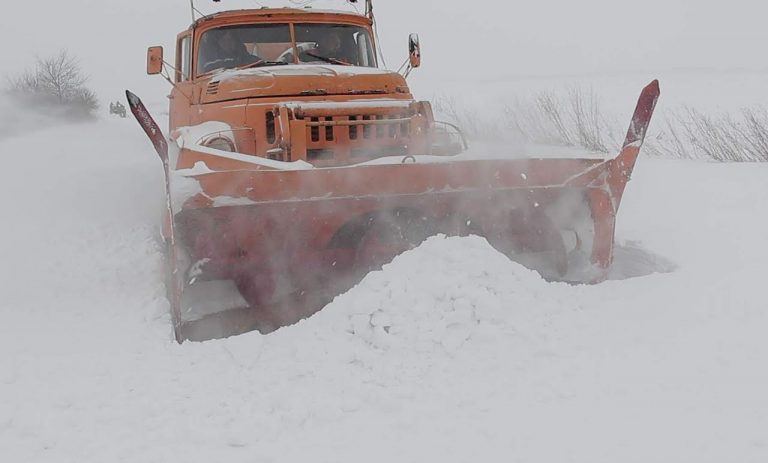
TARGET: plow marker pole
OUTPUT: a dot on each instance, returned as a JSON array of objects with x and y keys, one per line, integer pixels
[{"x": 161, "y": 146}]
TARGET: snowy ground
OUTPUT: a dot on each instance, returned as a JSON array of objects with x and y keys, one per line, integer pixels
[{"x": 452, "y": 353}]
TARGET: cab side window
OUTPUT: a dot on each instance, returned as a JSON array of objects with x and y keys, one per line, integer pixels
[
  {"x": 185, "y": 63},
  {"x": 365, "y": 50}
]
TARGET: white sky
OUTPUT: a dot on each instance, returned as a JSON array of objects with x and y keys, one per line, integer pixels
[{"x": 496, "y": 38}]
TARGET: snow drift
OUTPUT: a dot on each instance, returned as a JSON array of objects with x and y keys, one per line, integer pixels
[{"x": 449, "y": 353}]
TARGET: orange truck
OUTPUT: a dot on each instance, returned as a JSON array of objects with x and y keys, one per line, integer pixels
[{"x": 296, "y": 164}]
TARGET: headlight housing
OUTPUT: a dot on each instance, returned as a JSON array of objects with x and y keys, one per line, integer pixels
[{"x": 220, "y": 143}]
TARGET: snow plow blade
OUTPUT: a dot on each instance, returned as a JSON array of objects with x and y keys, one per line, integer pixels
[{"x": 261, "y": 245}]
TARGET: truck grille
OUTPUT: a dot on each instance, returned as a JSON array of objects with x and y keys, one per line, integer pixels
[
  {"x": 343, "y": 134},
  {"x": 369, "y": 127}
]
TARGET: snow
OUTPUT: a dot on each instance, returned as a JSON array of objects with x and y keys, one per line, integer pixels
[
  {"x": 495, "y": 150},
  {"x": 291, "y": 8},
  {"x": 201, "y": 133},
  {"x": 314, "y": 70},
  {"x": 451, "y": 353},
  {"x": 192, "y": 137},
  {"x": 186, "y": 186},
  {"x": 361, "y": 104},
  {"x": 223, "y": 201}
]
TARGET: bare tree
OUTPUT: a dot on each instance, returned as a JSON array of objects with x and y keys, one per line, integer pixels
[
  {"x": 57, "y": 81},
  {"x": 60, "y": 76}
]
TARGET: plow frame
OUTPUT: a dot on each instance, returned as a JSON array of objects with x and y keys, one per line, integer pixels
[{"x": 248, "y": 182}]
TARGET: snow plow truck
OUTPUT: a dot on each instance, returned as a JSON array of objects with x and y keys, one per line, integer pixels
[{"x": 296, "y": 164}]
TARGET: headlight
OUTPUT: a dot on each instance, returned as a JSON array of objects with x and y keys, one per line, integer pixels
[{"x": 220, "y": 143}]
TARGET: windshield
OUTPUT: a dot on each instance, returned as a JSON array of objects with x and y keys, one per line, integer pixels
[
  {"x": 335, "y": 44},
  {"x": 271, "y": 44},
  {"x": 231, "y": 47}
]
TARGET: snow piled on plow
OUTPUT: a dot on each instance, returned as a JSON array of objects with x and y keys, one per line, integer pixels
[{"x": 451, "y": 353}]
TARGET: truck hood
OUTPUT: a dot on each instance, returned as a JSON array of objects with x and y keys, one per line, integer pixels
[{"x": 298, "y": 80}]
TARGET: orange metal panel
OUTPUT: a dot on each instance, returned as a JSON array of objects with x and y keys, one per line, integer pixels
[{"x": 298, "y": 143}]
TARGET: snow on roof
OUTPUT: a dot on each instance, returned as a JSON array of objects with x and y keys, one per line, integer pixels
[{"x": 279, "y": 11}]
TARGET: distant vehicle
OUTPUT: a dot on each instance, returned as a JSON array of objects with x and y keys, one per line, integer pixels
[{"x": 117, "y": 108}]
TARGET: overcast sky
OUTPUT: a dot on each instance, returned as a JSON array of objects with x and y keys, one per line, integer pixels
[{"x": 496, "y": 38}]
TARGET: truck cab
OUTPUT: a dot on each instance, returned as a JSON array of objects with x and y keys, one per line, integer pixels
[{"x": 296, "y": 85}]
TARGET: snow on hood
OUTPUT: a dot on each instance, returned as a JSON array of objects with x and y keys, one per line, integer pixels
[
  {"x": 296, "y": 79},
  {"x": 304, "y": 70}
]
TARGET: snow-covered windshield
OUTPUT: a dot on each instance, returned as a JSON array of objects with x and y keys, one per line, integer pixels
[{"x": 271, "y": 44}]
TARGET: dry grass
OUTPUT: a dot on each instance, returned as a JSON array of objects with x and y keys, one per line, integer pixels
[
  {"x": 690, "y": 134},
  {"x": 576, "y": 119}
]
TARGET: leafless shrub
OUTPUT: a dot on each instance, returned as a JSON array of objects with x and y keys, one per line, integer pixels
[
  {"x": 537, "y": 121},
  {"x": 575, "y": 119},
  {"x": 55, "y": 85},
  {"x": 592, "y": 130},
  {"x": 690, "y": 134},
  {"x": 475, "y": 125},
  {"x": 669, "y": 142}
]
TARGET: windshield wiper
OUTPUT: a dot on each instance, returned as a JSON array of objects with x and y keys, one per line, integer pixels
[
  {"x": 262, "y": 63},
  {"x": 328, "y": 60}
]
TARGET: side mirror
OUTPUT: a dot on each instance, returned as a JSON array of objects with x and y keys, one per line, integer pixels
[
  {"x": 154, "y": 60},
  {"x": 414, "y": 50}
]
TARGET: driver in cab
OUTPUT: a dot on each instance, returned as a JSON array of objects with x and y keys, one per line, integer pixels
[
  {"x": 328, "y": 49},
  {"x": 221, "y": 49}
]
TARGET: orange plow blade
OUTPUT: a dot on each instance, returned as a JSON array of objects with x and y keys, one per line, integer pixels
[{"x": 261, "y": 247}]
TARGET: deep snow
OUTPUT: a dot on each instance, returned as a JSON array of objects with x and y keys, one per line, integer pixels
[{"x": 451, "y": 353}]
